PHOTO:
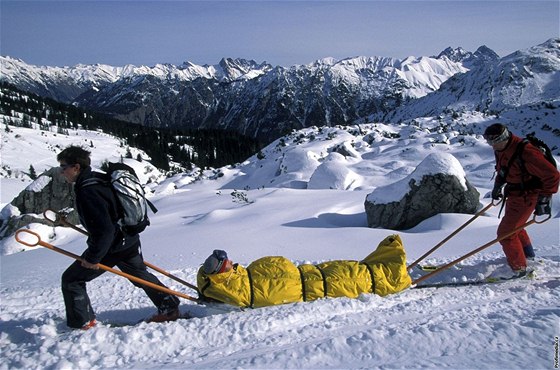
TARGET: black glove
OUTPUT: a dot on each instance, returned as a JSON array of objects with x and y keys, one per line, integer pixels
[
  {"x": 543, "y": 206},
  {"x": 497, "y": 192}
]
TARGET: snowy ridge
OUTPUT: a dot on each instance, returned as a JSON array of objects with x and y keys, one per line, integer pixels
[
  {"x": 263, "y": 101},
  {"x": 44, "y": 80},
  {"x": 255, "y": 99},
  {"x": 411, "y": 69},
  {"x": 521, "y": 78}
]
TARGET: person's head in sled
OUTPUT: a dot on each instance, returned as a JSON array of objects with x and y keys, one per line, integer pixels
[
  {"x": 217, "y": 263},
  {"x": 276, "y": 280}
]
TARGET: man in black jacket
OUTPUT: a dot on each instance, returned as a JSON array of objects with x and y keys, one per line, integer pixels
[{"x": 96, "y": 205}]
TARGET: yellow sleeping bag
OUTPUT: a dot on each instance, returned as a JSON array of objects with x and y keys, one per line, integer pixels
[{"x": 276, "y": 280}]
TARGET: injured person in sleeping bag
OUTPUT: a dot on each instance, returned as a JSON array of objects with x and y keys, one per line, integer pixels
[{"x": 272, "y": 281}]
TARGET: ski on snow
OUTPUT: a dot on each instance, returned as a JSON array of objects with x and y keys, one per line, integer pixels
[{"x": 530, "y": 275}]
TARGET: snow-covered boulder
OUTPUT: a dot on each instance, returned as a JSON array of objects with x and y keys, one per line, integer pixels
[
  {"x": 437, "y": 185},
  {"x": 333, "y": 174}
]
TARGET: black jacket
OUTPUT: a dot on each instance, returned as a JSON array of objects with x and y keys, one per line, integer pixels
[{"x": 97, "y": 208}]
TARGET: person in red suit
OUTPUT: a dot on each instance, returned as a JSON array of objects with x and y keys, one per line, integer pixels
[{"x": 526, "y": 181}]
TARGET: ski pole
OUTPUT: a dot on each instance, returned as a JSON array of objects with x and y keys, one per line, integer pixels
[
  {"x": 61, "y": 218},
  {"x": 476, "y": 215},
  {"x": 516, "y": 230},
  {"x": 36, "y": 240}
]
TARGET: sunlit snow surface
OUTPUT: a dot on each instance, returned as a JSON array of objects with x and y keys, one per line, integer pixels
[{"x": 509, "y": 325}]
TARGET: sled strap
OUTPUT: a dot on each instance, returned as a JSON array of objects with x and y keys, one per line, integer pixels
[
  {"x": 452, "y": 263},
  {"x": 476, "y": 215},
  {"x": 302, "y": 278},
  {"x": 251, "y": 290},
  {"x": 323, "y": 277},
  {"x": 370, "y": 269}
]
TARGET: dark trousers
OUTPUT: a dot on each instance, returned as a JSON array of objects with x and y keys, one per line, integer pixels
[{"x": 78, "y": 306}]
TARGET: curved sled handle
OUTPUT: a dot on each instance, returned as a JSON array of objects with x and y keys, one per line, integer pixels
[
  {"x": 60, "y": 218},
  {"x": 49, "y": 212},
  {"x": 495, "y": 202},
  {"x": 548, "y": 217},
  {"x": 34, "y": 236}
]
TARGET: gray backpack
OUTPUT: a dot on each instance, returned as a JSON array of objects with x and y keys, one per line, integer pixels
[{"x": 131, "y": 197}]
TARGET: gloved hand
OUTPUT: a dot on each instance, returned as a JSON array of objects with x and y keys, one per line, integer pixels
[
  {"x": 497, "y": 192},
  {"x": 543, "y": 206}
]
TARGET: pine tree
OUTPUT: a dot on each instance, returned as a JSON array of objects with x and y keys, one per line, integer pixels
[{"x": 32, "y": 174}]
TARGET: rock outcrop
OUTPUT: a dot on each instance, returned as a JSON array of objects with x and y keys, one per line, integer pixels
[
  {"x": 49, "y": 191},
  {"x": 437, "y": 185}
]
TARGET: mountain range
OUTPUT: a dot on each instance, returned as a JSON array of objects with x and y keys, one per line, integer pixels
[{"x": 265, "y": 102}]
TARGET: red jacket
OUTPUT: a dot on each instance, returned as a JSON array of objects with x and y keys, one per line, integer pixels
[{"x": 536, "y": 165}]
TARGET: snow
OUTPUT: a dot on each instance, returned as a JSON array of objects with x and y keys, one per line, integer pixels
[
  {"x": 510, "y": 325},
  {"x": 39, "y": 184}
]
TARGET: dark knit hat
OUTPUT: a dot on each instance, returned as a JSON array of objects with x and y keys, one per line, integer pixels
[
  {"x": 496, "y": 133},
  {"x": 215, "y": 262}
]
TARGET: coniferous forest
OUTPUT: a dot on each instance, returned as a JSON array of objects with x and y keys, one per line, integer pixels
[{"x": 201, "y": 147}]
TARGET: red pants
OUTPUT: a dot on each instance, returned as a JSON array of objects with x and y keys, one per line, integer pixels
[{"x": 518, "y": 210}]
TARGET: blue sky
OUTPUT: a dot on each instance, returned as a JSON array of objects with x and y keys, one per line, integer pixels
[{"x": 278, "y": 32}]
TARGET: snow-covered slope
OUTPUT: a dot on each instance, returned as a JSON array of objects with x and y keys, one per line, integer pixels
[
  {"x": 461, "y": 327},
  {"x": 301, "y": 197}
]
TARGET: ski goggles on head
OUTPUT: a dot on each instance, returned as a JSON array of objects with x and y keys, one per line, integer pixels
[
  {"x": 222, "y": 257},
  {"x": 497, "y": 139},
  {"x": 216, "y": 262}
]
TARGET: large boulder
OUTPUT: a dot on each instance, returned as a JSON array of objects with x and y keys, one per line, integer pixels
[
  {"x": 437, "y": 185},
  {"x": 49, "y": 191}
]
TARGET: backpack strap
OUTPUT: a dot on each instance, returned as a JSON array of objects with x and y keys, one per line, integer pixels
[
  {"x": 516, "y": 156},
  {"x": 151, "y": 205},
  {"x": 533, "y": 181},
  {"x": 96, "y": 179}
]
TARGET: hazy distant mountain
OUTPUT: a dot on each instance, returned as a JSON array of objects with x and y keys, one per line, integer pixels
[{"x": 263, "y": 101}]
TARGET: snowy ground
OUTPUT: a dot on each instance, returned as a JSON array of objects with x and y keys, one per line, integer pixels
[{"x": 512, "y": 325}]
